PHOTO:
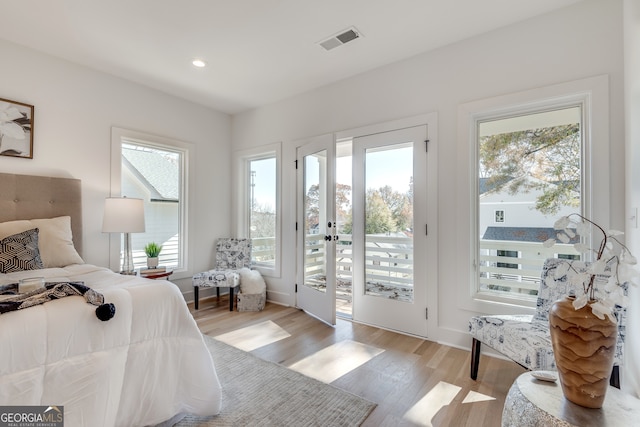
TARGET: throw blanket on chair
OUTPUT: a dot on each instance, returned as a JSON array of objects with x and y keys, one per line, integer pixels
[{"x": 53, "y": 291}]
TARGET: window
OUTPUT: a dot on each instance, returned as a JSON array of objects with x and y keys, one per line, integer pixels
[
  {"x": 258, "y": 205},
  {"x": 531, "y": 154},
  {"x": 531, "y": 163},
  {"x": 262, "y": 210},
  {"x": 574, "y": 257},
  {"x": 510, "y": 254},
  {"x": 154, "y": 169}
]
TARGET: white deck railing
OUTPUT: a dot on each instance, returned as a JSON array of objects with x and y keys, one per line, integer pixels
[
  {"x": 389, "y": 261},
  {"x": 516, "y": 274}
]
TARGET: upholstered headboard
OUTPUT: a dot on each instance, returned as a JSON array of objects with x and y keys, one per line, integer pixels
[{"x": 31, "y": 197}]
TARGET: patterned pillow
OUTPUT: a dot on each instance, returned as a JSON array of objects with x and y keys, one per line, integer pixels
[{"x": 20, "y": 252}]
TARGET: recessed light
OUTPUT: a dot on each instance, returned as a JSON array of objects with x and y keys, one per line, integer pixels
[{"x": 199, "y": 63}]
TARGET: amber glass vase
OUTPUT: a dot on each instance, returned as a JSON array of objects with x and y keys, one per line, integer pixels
[{"x": 584, "y": 347}]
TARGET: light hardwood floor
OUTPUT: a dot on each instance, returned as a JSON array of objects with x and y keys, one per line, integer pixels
[{"x": 413, "y": 381}]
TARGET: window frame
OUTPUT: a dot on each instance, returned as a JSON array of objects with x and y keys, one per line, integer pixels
[
  {"x": 186, "y": 150},
  {"x": 242, "y": 158},
  {"x": 592, "y": 95}
]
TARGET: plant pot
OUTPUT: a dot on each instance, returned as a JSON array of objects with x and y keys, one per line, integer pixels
[
  {"x": 152, "y": 262},
  {"x": 584, "y": 348}
]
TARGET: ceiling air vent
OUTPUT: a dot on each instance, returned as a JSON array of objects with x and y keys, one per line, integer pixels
[{"x": 340, "y": 39}]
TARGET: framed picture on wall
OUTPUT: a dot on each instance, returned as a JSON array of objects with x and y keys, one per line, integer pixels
[{"x": 16, "y": 129}]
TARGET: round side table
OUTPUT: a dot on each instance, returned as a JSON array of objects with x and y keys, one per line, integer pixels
[{"x": 532, "y": 402}]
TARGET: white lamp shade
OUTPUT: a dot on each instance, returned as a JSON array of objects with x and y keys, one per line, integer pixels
[{"x": 123, "y": 215}]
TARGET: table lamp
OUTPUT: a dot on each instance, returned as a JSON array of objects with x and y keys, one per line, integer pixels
[{"x": 124, "y": 215}]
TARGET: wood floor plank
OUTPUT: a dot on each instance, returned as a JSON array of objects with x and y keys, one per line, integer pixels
[{"x": 415, "y": 382}]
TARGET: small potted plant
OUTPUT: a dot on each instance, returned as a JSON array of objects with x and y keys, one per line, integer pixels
[{"x": 152, "y": 250}]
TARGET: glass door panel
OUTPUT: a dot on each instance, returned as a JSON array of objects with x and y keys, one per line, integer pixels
[
  {"x": 315, "y": 221},
  {"x": 389, "y": 222},
  {"x": 316, "y": 290}
]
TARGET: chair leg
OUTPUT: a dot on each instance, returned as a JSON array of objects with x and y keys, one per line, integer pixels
[
  {"x": 196, "y": 296},
  {"x": 475, "y": 358},
  {"x": 614, "y": 381}
]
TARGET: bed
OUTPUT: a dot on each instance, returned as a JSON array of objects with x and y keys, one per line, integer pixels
[{"x": 147, "y": 365}]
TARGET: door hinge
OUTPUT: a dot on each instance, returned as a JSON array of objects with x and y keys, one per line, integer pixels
[
  {"x": 426, "y": 313},
  {"x": 296, "y": 288},
  {"x": 296, "y": 225},
  {"x": 426, "y": 145},
  {"x": 296, "y": 163},
  {"x": 426, "y": 229}
]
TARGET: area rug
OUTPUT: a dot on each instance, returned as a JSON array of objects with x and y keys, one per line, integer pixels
[{"x": 260, "y": 393}]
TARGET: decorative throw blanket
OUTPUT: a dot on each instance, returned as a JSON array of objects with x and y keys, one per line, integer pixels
[{"x": 53, "y": 291}]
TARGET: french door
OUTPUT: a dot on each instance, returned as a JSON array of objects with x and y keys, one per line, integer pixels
[
  {"x": 381, "y": 226},
  {"x": 389, "y": 230},
  {"x": 316, "y": 285}
]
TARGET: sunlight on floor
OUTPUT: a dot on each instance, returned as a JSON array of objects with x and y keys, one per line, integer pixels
[
  {"x": 426, "y": 408},
  {"x": 474, "y": 396},
  {"x": 254, "y": 336},
  {"x": 438, "y": 397},
  {"x": 332, "y": 362}
]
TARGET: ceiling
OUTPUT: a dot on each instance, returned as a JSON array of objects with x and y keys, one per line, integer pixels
[{"x": 257, "y": 51}]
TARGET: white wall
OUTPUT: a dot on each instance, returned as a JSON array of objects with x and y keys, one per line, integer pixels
[
  {"x": 75, "y": 108},
  {"x": 580, "y": 41},
  {"x": 631, "y": 370}
]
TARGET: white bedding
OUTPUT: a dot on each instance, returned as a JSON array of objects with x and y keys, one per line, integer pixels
[{"x": 142, "y": 367}]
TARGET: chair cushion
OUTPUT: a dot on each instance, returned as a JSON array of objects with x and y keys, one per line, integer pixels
[
  {"x": 522, "y": 339},
  {"x": 216, "y": 278}
]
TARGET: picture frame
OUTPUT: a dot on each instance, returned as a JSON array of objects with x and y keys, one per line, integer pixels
[{"x": 16, "y": 129}]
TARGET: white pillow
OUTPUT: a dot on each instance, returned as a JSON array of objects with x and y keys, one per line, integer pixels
[
  {"x": 54, "y": 240},
  {"x": 251, "y": 281}
]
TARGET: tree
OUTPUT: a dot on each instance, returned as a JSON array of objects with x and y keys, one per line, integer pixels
[
  {"x": 400, "y": 205},
  {"x": 551, "y": 155},
  {"x": 263, "y": 221},
  {"x": 263, "y": 225},
  {"x": 386, "y": 210},
  {"x": 343, "y": 207},
  {"x": 312, "y": 207},
  {"x": 378, "y": 216}
]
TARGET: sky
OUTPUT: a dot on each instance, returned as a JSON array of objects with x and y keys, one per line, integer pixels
[
  {"x": 389, "y": 167},
  {"x": 265, "y": 182}
]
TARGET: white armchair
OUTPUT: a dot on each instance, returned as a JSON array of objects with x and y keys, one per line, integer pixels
[{"x": 525, "y": 339}]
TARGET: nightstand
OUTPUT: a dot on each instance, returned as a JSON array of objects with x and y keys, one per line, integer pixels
[{"x": 159, "y": 275}]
